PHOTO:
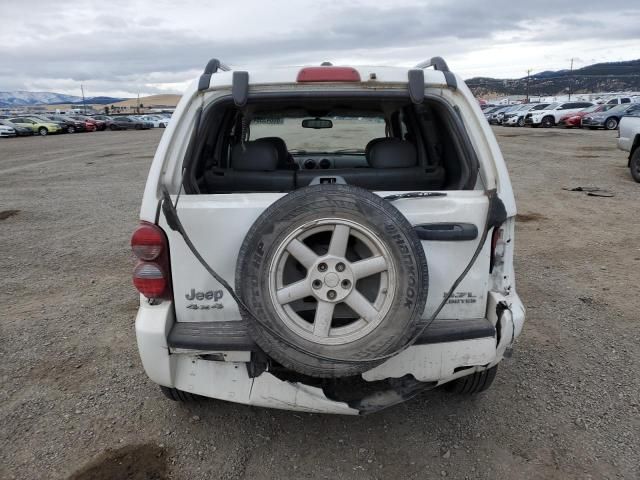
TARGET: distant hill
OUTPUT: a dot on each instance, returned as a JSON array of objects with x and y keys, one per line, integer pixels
[
  {"x": 168, "y": 100},
  {"x": 600, "y": 77},
  {"x": 22, "y": 99},
  {"x": 98, "y": 100}
]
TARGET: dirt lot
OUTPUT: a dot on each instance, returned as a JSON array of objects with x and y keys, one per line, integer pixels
[{"x": 75, "y": 402}]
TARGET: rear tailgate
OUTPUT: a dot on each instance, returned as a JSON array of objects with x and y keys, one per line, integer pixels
[{"x": 217, "y": 225}]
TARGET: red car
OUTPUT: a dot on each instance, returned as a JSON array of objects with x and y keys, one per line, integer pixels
[
  {"x": 91, "y": 124},
  {"x": 574, "y": 120}
]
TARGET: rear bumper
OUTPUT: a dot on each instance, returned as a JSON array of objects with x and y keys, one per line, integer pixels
[{"x": 433, "y": 363}]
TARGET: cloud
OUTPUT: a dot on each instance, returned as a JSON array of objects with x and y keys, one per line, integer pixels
[{"x": 148, "y": 46}]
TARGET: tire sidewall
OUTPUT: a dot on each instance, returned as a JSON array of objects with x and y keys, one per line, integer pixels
[
  {"x": 611, "y": 124},
  {"x": 341, "y": 202},
  {"x": 634, "y": 165}
]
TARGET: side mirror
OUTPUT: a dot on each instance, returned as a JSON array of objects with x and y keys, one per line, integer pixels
[{"x": 317, "y": 123}]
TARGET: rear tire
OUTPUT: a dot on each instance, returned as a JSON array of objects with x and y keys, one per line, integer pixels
[
  {"x": 521, "y": 122},
  {"x": 43, "y": 132},
  {"x": 611, "y": 123},
  {"x": 634, "y": 165},
  {"x": 475, "y": 383},
  {"x": 71, "y": 130},
  {"x": 178, "y": 395},
  {"x": 113, "y": 128},
  {"x": 548, "y": 122}
]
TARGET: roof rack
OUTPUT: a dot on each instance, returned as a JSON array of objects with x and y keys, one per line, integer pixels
[
  {"x": 439, "y": 64},
  {"x": 212, "y": 67}
]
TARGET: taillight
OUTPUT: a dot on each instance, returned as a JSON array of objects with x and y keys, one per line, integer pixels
[
  {"x": 497, "y": 248},
  {"x": 328, "y": 74},
  {"x": 151, "y": 274},
  {"x": 149, "y": 279},
  {"x": 147, "y": 242}
]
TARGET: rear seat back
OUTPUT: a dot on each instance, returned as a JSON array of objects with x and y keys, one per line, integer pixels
[
  {"x": 254, "y": 168},
  {"x": 257, "y": 167}
]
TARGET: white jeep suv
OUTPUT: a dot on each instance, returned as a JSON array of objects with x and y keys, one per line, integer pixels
[
  {"x": 550, "y": 116},
  {"x": 326, "y": 239}
]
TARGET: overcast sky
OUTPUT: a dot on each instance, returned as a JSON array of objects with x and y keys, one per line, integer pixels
[{"x": 123, "y": 47}]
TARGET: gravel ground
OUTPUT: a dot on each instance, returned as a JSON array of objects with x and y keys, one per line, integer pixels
[{"x": 76, "y": 403}]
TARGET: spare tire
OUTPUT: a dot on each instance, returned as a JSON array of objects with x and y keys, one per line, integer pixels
[{"x": 336, "y": 271}]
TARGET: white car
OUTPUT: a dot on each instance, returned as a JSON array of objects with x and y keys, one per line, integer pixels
[
  {"x": 158, "y": 122},
  {"x": 516, "y": 118},
  {"x": 6, "y": 131},
  {"x": 551, "y": 115},
  {"x": 330, "y": 239},
  {"x": 629, "y": 141},
  {"x": 621, "y": 100}
]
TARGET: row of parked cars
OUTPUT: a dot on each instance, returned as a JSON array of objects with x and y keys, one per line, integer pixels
[
  {"x": 562, "y": 114},
  {"x": 45, "y": 124}
]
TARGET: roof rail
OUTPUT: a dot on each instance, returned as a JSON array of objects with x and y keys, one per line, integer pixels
[
  {"x": 439, "y": 64},
  {"x": 212, "y": 67}
]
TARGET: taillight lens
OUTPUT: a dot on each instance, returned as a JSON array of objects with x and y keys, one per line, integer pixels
[
  {"x": 151, "y": 274},
  {"x": 149, "y": 279},
  {"x": 497, "y": 248},
  {"x": 147, "y": 242}
]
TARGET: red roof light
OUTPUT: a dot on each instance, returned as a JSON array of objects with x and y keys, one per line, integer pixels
[{"x": 328, "y": 74}]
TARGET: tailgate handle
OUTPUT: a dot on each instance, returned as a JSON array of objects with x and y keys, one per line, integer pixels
[{"x": 452, "y": 232}]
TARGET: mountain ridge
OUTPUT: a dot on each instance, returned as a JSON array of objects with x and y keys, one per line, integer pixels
[
  {"x": 24, "y": 98},
  {"x": 599, "y": 77}
]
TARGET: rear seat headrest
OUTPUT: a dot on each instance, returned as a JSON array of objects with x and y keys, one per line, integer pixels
[
  {"x": 391, "y": 153},
  {"x": 281, "y": 148},
  {"x": 254, "y": 157}
]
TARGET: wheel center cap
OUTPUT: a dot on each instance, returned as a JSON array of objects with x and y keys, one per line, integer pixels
[{"x": 331, "y": 280}]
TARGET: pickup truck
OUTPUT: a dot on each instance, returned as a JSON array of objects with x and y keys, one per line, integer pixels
[{"x": 629, "y": 141}]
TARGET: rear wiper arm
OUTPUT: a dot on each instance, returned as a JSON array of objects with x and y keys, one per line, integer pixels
[{"x": 414, "y": 195}]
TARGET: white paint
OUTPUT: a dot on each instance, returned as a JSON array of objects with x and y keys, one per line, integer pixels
[{"x": 629, "y": 130}]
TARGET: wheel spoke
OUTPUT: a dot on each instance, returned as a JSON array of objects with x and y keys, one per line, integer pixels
[
  {"x": 369, "y": 266},
  {"x": 339, "y": 240},
  {"x": 361, "y": 306},
  {"x": 322, "y": 320},
  {"x": 294, "y": 291},
  {"x": 302, "y": 253}
]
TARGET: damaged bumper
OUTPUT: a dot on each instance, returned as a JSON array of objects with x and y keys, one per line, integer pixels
[{"x": 415, "y": 369}]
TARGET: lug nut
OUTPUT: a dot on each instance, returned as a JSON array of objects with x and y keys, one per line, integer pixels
[
  {"x": 331, "y": 294},
  {"x": 346, "y": 283},
  {"x": 340, "y": 267},
  {"x": 322, "y": 267},
  {"x": 316, "y": 284}
]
